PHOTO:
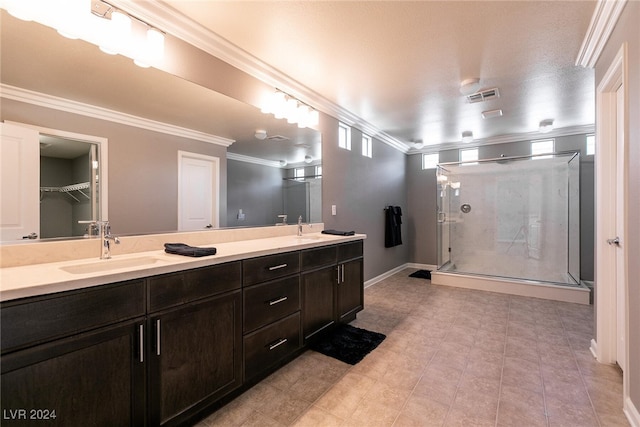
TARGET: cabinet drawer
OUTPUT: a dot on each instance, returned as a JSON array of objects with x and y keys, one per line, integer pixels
[
  {"x": 179, "y": 288},
  {"x": 40, "y": 319},
  {"x": 270, "y": 301},
  {"x": 319, "y": 257},
  {"x": 256, "y": 270},
  {"x": 266, "y": 346},
  {"x": 348, "y": 251}
]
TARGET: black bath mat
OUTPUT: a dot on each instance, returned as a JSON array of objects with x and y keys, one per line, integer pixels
[
  {"x": 422, "y": 274},
  {"x": 348, "y": 343}
]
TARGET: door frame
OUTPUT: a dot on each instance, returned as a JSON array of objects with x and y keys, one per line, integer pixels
[
  {"x": 215, "y": 199},
  {"x": 103, "y": 159},
  {"x": 604, "y": 345}
]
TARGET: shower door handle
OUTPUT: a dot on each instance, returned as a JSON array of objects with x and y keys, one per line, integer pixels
[
  {"x": 442, "y": 217},
  {"x": 614, "y": 241}
]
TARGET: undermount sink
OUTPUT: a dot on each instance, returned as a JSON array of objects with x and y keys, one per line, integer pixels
[
  {"x": 111, "y": 264},
  {"x": 308, "y": 238}
]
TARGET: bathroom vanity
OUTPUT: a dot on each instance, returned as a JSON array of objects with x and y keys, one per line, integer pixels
[{"x": 175, "y": 338}]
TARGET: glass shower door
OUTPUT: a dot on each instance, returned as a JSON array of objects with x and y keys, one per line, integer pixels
[{"x": 444, "y": 225}]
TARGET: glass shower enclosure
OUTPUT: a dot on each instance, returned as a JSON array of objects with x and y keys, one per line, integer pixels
[{"x": 512, "y": 217}]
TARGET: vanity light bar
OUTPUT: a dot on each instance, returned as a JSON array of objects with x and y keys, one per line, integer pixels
[
  {"x": 285, "y": 106},
  {"x": 97, "y": 22}
]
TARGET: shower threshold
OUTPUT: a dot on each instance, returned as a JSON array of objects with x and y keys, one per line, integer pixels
[{"x": 529, "y": 288}]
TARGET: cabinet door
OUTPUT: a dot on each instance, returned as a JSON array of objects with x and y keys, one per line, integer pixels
[
  {"x": 350, "y": 289},
  {"x": 318, "y": 311},
  {"x": 196, "y": 357},
  {"x": 92, "y": 379}
]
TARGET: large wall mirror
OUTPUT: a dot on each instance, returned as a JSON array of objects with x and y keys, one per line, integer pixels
[{"x": 70, "y": 85}]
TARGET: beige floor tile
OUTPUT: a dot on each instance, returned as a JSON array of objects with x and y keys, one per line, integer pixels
[{"x": 477, "y": 357}]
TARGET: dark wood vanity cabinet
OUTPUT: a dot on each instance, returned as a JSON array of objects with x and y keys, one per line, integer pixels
[
  {"x": 165, "y": 349},
  {"x": 350, "y": 298},
  {"x": 79, "y": 361},
  {"x": 195, "y": 341},
  {"x": 271, "y": 307}
]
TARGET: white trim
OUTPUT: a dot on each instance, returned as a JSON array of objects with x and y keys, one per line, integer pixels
[
  {"x": 505, "y": 139},
  {"x": 103, "y": 153},
  {"x": 603, "y": 21},
  {"x": 178, "y": 25},
  {"x": 215, "y": 161},
  {"x": 629, "y": 409},
  {"x": 605, "y": 161},
  {"x": 254, "y": 160},
  {"x": 527, "y": 288},
  {"x": 87, "y": 110},
  {"x": 395, "y": 270}
]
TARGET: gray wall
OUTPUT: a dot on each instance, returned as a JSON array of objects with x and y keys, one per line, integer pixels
[
  {"x": 421, "y": 188},
  {"x": 627, "y": 30},
  {"x": 257, "y": 190},
  {"x": 143, "y": 166},
  {"x": 361, "y": 187}
]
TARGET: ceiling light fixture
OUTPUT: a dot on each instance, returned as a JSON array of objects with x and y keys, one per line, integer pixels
[
  {"x": 467, "y": 136},
  {"x": 260, "y": 134},
  {"x": 97, "y": 22},
  {"x": 469, "y": 86},
  {"x": 491, "y": 114},
  {"x": 546, "y": 126},
  {"x": 283, "y": 163},
  {"x": 285, "y": 106},
  {"x": 308, "y": 159},
  {"x": 417, "y": 144}
]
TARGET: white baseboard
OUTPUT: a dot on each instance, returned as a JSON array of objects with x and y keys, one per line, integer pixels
[
  {"x": 594, "y": 348},
  {"x": 393, "y": 271},
  {"x": 631, "y": 412}
]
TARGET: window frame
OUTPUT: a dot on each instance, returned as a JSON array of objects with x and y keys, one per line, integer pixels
[
  {"x": 471, "y": 161},
  {"x": 367, "y": 146},
  {"x": 542, "y": 154},
  {"x": 429, "y": 164},
  {"x": 345, "y": 130}
]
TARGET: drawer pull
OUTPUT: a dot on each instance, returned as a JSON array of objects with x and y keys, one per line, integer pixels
[
  {"x": 278, "y": 301},
  {"x": 158, "y": 337},
  {"x": 277, "y": 267},
  {"x": 278, "y": 344}
]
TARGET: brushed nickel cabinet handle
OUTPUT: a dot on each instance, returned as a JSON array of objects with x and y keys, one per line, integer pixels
[
  {"x": 141, "y": 338},
  {"x": 278, "y": 344},
  {"x": 277, "y": 267},
  {"x": 158, "y": 337},
  {"x": 278, "y": 301}
]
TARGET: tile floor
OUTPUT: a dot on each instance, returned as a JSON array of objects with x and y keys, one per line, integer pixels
[{"x": 452, "y": 357}]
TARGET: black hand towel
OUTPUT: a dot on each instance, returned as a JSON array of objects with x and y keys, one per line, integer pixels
[
  {"x": 338, "y": 232},
  {"x": 186, "y": 250}
]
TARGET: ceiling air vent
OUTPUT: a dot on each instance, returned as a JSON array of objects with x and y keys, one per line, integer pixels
[
  {"x": 483, "y": 95},
  {"x": 277, "y": 138}
]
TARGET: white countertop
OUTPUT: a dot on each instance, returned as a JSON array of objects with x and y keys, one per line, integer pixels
[{"x": 40, "y": 279}]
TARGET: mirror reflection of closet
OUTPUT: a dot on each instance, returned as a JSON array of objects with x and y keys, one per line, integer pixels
[{"x": 69, "y": 182}]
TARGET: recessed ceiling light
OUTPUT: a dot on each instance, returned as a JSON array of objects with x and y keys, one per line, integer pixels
[
  {"x": 469, "y": 86},
  {"x": 491, "y": 114}
]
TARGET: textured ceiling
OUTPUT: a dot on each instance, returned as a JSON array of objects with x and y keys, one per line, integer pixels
[{"x": 398, "y": 65}]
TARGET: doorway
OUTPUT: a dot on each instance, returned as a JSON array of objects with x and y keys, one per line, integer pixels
[{"x": 198, "y": 191}]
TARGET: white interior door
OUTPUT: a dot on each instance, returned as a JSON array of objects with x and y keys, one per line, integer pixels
[
  {"x": 198, "y": 199},
  {"x": 20, "y": 196}
]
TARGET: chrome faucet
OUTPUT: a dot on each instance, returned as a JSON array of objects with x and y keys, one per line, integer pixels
[
  {"x": 284, "y": 219},
  {"x": 104, "y": 230},
  {"x": 300, "y": 225}
]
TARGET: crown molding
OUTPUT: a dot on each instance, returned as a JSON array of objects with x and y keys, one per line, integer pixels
[
  {"x": 603, "y": 21},
  {"x": 87, "y": 110},
  {"x": 173, "y": 22},
  {"x": 505, "y": 139},
  {"x": 254, "y": 160}
]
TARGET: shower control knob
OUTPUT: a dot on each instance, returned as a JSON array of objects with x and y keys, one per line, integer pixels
[{"x": 466, "y": 208}]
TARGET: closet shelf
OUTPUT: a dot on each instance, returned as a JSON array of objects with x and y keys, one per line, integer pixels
[{"x": 68, "y": 189}]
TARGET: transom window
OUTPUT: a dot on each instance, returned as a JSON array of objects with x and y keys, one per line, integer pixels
[
  {"x": 542, "y": 147},
  {"x": 430, "y": 161},
  {"x": 469, "y": 156},
  {"x": 367, "y": 146},
  {"x": 591, "y": 145},
  {"x": 298, "y": 173},
  {"x": 344, "y": 136}
]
